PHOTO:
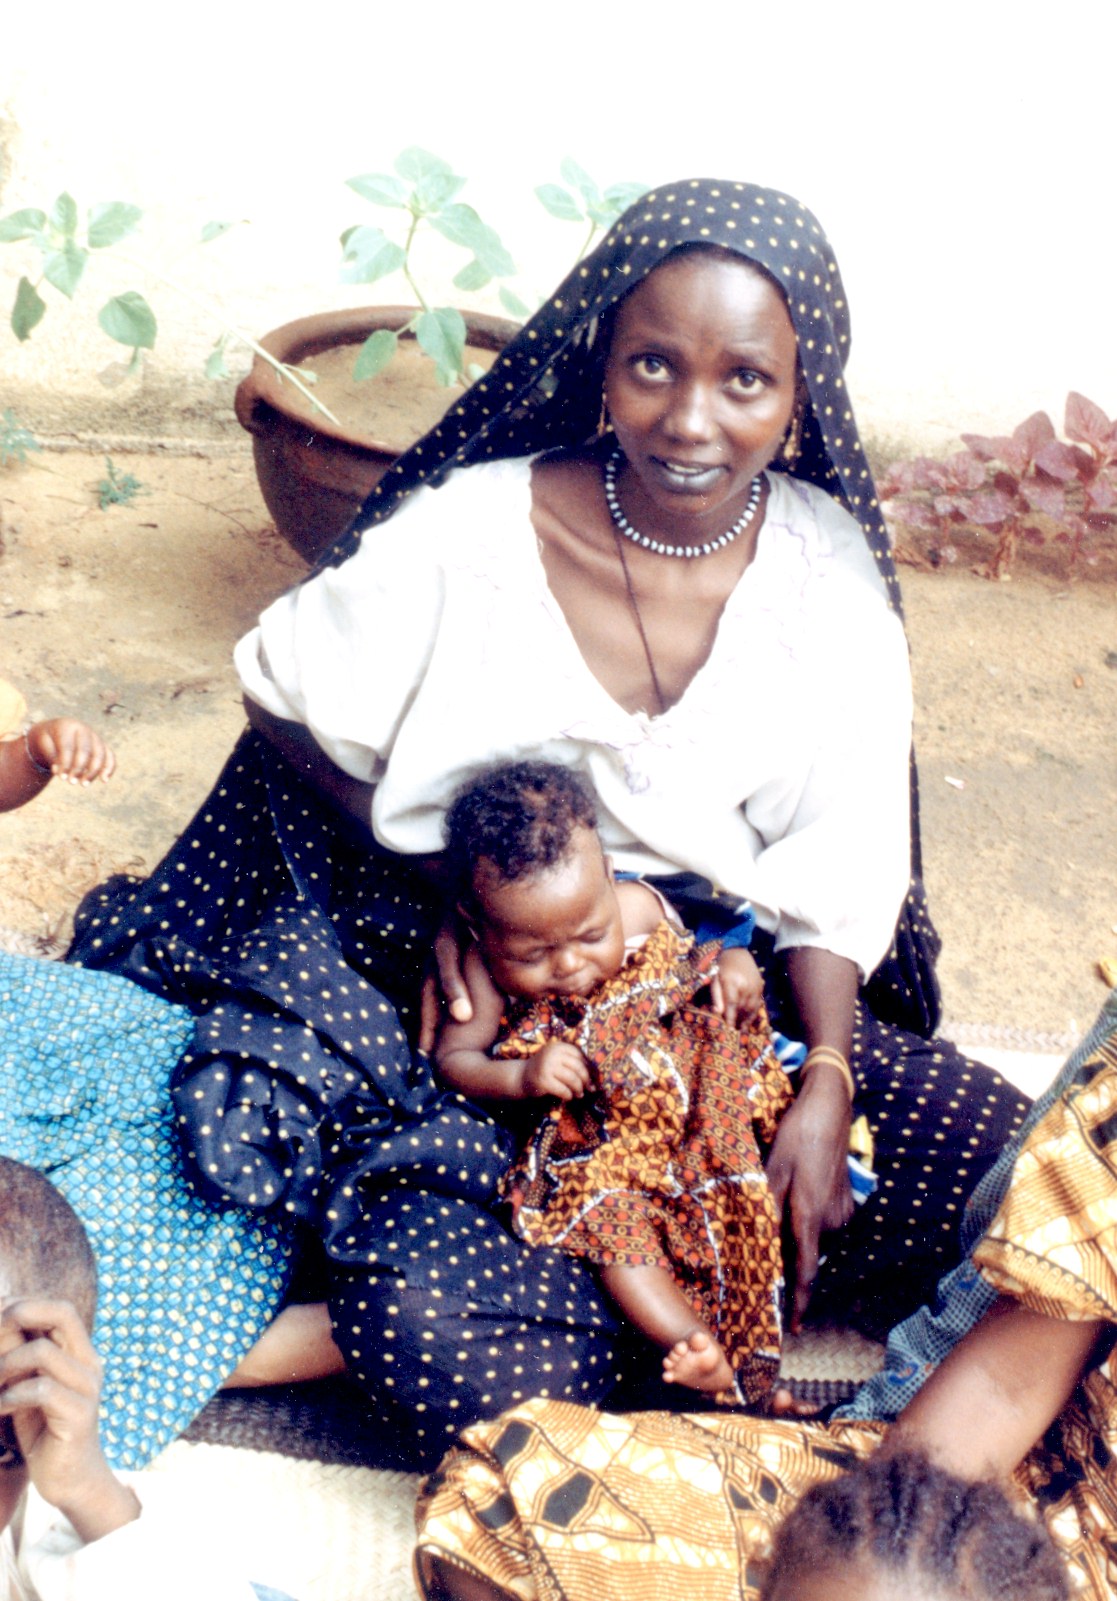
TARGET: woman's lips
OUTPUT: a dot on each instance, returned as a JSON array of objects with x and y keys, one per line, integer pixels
[{"x": 687, "y": 478}]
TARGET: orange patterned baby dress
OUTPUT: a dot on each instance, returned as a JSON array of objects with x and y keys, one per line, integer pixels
[{"x": 663, "y": 1163}]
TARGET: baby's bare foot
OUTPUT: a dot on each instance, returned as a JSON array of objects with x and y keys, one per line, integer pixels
[{"x": 698, "y": 1362}]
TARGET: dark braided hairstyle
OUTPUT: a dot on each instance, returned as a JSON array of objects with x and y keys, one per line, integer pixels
[
  {"x": 520, "y": 816},
  {"x": 930, "y": 1531}
]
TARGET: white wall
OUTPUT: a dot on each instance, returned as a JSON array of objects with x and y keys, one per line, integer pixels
[{"x": 959, "y": 154}]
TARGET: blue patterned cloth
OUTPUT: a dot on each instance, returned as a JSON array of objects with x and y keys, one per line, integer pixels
[
  {"x": 917, "y": 1345},
  {"x": 186, "y": 1286}
]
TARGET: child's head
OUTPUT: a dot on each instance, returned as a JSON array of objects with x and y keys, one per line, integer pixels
[
  {"x": 897, "y": 1528},
  {"x": 44, "y": 1252},
  {"x": 533, "y": 881}
]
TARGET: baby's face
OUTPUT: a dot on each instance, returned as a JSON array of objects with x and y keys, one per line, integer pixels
[{"x": 556, "y": 933}]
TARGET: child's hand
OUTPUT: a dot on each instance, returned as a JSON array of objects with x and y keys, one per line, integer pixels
[
  {"x": 71, "y": 750},
  {"x": 737, "y": 988},
  {"x": 559, "y": 1069},
  {"x": 50, "y": 1388}
]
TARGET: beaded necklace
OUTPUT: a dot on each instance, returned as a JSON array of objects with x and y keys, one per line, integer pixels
[{"x": 658, "y": 546}]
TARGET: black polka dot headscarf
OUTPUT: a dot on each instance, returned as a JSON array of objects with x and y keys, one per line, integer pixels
[{"x": 544, "y": 390}]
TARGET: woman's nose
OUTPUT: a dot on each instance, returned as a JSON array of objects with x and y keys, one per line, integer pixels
[{"x": 690, "y": 415}]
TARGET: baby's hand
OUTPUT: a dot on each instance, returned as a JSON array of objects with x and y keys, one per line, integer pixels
[
  {"x": 737, "y": 989},
  {"x": 50, "y": 1388},
  {"x": 559, "y": 1069},
  {"x": 71, "y": 750}
]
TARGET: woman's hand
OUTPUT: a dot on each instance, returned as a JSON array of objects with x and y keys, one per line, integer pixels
[
  {"x": 445, "y": 982},
  {"x": 808, "y": 1175},
  {"x": 807, "y": 1167}
]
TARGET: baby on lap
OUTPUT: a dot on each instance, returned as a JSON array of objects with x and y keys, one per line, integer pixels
[{"x": 655, "y": 1062}]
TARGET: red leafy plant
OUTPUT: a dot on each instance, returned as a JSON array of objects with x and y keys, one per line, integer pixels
[{"x": 1029, "y": 486}]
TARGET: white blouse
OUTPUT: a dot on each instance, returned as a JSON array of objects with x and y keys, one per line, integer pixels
[{"x": 781, "y": 775}]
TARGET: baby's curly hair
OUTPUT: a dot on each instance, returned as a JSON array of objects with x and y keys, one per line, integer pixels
[
  {"x": 932, "y": 1532},
  {"x": 520, "y": 816}
]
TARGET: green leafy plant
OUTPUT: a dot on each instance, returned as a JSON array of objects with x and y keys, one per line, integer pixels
[
  {"x": 596, "y": 209},
  {"x": 425, "y": 189},
  {"x": 116, "y": 488},
  {"x": 1026, "y": 487},
  {"x": 15, "y": 439},
  {"x": 64, "y": 248}
]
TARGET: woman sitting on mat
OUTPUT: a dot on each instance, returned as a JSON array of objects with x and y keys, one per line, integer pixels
[{"x": 646, "y": 545}]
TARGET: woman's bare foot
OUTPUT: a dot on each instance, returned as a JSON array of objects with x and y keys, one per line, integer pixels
[{"x": 698, "y": 1362}]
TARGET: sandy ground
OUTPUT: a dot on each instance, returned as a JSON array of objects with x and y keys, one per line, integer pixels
[{"x": 127, "y": 617}]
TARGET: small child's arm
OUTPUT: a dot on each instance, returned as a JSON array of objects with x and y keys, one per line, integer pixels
[
  {"x": 50, "y": 1388},
  {"x": 462, "y": 1057},
  {"x": 1015, "y": 1370},
  {"x": 59, "y": 747}
]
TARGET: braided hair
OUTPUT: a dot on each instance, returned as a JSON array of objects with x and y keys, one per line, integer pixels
[
  {"x": 520, "y": 816},
  {"x": 931, "y": 1532}
]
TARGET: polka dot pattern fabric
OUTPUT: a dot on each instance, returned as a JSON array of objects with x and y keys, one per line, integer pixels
[
  {"x": 938, "y": 1122},
  {"x": 300, "y": 955},
  {"x": 185, "y": 1287}
]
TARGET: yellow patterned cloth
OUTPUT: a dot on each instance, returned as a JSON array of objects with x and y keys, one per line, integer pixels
[
  {"x": 555, "y": 1502},
  {"x": 558, "y": 1502},
  {"x": 1053, "y": 1246}
]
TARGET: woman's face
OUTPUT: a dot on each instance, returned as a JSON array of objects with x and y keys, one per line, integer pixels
[{"x": 701, "y": 381}]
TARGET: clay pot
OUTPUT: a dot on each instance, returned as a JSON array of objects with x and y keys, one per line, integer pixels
[{"x": 313, "y": 474}]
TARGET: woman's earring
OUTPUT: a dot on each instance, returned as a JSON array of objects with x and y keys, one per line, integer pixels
[
  {"x": 603, "y": 423},
  {"x": 793, "y": 439}
]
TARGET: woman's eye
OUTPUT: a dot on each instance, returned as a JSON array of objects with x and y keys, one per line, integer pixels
[
  {"x": 746, "y": 381},
  {"x": 650, "y": 367}
]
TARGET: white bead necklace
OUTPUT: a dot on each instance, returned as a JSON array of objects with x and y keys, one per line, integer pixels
[{"x": 657, "y": 546}]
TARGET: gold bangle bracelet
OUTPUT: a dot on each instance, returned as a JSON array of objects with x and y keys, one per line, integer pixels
[{"x": 828, "y": 1053}]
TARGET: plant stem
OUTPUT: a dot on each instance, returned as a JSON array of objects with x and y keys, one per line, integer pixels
[
  {"x": 231, "y": 330},
  {"x": 415, "y": 290}
]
